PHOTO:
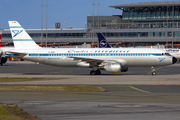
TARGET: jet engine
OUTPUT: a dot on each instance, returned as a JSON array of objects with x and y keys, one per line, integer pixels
[
  {"x": 3, "y": 58},
  {"x": 114, "y": 68}
]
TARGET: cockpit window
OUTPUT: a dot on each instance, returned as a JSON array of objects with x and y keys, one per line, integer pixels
[{"x": 166, "y": 54}]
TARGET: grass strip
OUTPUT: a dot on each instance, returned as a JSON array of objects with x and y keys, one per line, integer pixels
[
  {"x": 7, "y": 79},
  {"x": 54, "y": 88},
  {"x": 17, "y": 112},
  {"x": 6, "y": 115}
]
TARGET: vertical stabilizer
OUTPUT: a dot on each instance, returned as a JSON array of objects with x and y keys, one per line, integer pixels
[
  {"x": 21, "y": 38},
  {"x": 103, "y": 43}
]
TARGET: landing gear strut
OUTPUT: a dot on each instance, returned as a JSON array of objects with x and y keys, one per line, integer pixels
[
  {"x": 95, "y": 72},
  {"x": 153, "y": 71},
  {"x": 1, "y": 62}
]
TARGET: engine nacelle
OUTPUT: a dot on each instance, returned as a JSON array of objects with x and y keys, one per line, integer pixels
[
  {"x": 112, "y": 67},
  {"x": 3, "y": 59}
]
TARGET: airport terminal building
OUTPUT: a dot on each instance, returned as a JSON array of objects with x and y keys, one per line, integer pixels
[{"x": 147, "y": 23}]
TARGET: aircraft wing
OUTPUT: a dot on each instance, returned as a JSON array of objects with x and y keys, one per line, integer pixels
[
  {"x": 16, "y": 53},
  {"x": 99, "y": 61},
  {"x": 89, "y": 60}
]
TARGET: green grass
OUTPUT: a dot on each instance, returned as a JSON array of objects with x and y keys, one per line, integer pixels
[
  {"x": 5, "y": 115},
  {"x": 84, "y": 89},
  {"x": 7, "y": 79},
  {"x": 53, "y": 88}
]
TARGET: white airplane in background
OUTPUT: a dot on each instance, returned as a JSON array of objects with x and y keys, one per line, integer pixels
[
  {"x": 103, "y": 43},
  {"x": 112, "y": 60},
  {"x": 174, "y": 52}
]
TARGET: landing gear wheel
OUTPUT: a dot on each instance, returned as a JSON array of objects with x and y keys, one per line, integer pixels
[
  {"x": 98, "y": 72},
  {"x": 93, "y": 72},
  {"x": 153, "y": 73},
  {"x": 153, "y": 70}
]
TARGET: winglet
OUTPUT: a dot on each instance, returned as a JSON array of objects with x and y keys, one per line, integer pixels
[
  {"x": 21, "y": 38},
  {"x": 103, "y": 43}
]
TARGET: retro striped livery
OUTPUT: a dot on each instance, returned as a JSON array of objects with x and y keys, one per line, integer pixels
[{"x": 113, "y": 60}]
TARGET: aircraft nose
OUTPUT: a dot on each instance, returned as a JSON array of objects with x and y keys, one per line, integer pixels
[{"x": 174, "y": 60}]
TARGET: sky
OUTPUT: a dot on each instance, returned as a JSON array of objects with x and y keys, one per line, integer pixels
[{"x": 74, "y": 12}]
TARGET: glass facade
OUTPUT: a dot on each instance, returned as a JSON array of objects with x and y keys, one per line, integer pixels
[
  {"x": 140, "y": 34},
  {"x": 102, "y": 23},
  {"x": 106, "y": 34},
  {"x": 162, "y": 12},
  {"x": 145, "y": 25},
  {"x": 51, "y": 35}
]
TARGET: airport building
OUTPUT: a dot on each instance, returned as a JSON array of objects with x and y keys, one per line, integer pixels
[{"x": 140, "y": 24}]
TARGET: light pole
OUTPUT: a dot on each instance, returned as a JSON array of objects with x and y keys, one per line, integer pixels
[
  {"x": 172, "y": 23},
  {"x": 93, "y": 19},
  {"x": 85, "y": 24},
  {"x": 65, "y": 24},
  {"x": 98, "y": 15},
  {"x": 46, "y": 22},
  {"x": 167, "y": 24},
  {"x": 42, "y": 21}
]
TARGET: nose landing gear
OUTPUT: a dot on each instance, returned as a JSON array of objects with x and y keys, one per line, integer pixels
[{"x": 153, "y": 70}]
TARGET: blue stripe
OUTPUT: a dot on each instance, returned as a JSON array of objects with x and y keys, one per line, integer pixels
[
  {"x": 22, "y": 39},
  {"x": 95, "y": 54},
  {"x": 15, "y": 27},
  {"x": 12, "y": 54}
]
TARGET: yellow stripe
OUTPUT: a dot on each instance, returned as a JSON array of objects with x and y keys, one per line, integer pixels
[{"x": 139, "y": 89}]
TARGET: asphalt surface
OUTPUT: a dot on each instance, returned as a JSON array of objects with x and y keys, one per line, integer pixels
[
  {"x": 132, "y": 95},
  {"x": 30, "y": 68}
]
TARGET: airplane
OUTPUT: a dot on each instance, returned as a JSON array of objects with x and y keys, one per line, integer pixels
[
  {"x": 3, "y": 58},
  {"x": 103, "y": 43},
  {"x": 112, "y": 60},
  {"x": 174, "y": 52}
]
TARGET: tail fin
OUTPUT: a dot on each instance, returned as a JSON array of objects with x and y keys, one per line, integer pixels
[
  {"x": 0, "y": 38},
  {"x": 20, "y": 37},
  {"x": 103, "y": 43}
]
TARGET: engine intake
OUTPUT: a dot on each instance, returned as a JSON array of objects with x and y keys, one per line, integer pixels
[
  {"x": 3, "y": 59},
  {"x": 114, "y": 68}
]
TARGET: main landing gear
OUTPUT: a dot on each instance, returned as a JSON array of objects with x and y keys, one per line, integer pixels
[
  {"x": 95, "y": 72},
  {"x": 153, "y": 71}
]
